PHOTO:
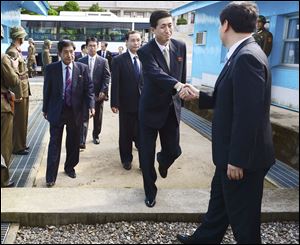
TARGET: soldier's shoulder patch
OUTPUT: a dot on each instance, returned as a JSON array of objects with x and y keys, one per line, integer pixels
[{"x": 269, "y": 39}]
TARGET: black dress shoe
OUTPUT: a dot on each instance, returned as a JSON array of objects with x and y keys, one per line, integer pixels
[
  {"x": 27, "y": 148},
  {"x": 96, "y": 141},
  {"x": 185, "y": 239},
  {"x": 9, "y": 184},
  {"x": 50, "y": 184},
  {"x": 71, "y": 174},
  {"x": 149, "y": 203},
  {"x": 163, "y": 172},
  {"x": 82, "y": 146},
  {"x": 22, "y": 152},
  {"x": 127, "y": 165}
]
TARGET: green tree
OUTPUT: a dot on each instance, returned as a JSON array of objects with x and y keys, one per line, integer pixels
[
  {"x": 52, "y": 11},
  {"x": 96, "y": 8},
  {"x": 71, "y": 6},
  {"x": 25, "y": 11}
]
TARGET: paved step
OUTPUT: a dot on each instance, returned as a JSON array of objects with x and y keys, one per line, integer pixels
[{"x": 57, "y": 206}]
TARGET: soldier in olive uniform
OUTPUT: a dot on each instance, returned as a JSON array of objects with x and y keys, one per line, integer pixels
[
  {"x": 31, "y": 60},
  {"x": 263, "y": 37},
  {"x": 17, "y": 35},
  {"x": 46, "y": 58},
  {"x": 9, "y": 79}
]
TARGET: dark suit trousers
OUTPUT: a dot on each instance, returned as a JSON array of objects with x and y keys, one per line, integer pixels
[
  {"x": 170, "y": 150},
  {"x": 128, "y": 126},
  {"x": 98, "y": 118},
  {"x": 234, "y": 203},
  {"x": 72, "y": 145}
]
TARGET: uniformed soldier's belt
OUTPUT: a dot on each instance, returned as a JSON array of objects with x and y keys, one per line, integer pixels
[{"x": 23, "y": 77}]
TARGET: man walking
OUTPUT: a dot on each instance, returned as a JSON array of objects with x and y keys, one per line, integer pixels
[
  {"x": 164, "y": 69},
  {"x": 100, "y": 75},
  {"x": 67, "y": 85},
  {"x": 126, "y": 87}
]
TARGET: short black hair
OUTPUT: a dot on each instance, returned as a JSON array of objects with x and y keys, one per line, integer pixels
[
  {"x": 241, "y": 16},
  {"x": 83, "y": 46},
  {"x": 105, "y": 43},
  {"x": 157, "y": 15},
  {"x": 91, "y": 39},
  {"x": 130, "y": 33},
  {"x": 65, "y": 43}
]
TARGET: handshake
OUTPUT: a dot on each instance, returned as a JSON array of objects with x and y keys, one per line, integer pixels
[{"x": 188, "y": 92}]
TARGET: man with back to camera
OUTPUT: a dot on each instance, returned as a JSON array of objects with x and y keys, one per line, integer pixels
[
  {"x": 126, "y": 87},
  {"x": 242, "y": 145},
  {"x": 67, "y": 85},
  {"x": 164, "y": 71}
]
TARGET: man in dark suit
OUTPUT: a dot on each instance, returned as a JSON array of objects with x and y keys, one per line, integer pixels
[
  {"x": 104, "y": 53},
  {"x": 164, "y": 70},
  {"x": 241, "y": 132},
  {"x": 83, "y": 52},
  {"x": 67, "y": 85},
  {"x": 126, "y": 86},
  {"x": 100, "y": 75}
]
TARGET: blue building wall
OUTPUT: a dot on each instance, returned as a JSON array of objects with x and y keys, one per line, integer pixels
[
  {"x": 11, "y": 15},
  {"x": 208, "y": 60}
]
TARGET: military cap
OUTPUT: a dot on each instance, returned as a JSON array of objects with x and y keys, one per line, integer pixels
[
  {"x": 262, "y": 19},
  {"x": 30, "y": 40},
  {"x": 17, "y": 32},
  {"x": 47, "y": 42},
  {"x": 2, "y": 32}
]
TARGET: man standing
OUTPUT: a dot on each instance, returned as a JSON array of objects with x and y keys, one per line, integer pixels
[
  {"x": 241, "y": 132},
  {"x": 46, "y": 57},
  {"x": 104, "y": 53},
  {"x": 126, "y": 86},
  {"x": 83, "y": 52},
  {"x": 164, "y": 69},
  {"x": 9, "y": 79},
  {"x": 31, "y": 60},
  {"x": 17, "y": 34},
  {"x": 263, "y": 37},
  {"x": 67, "y": 85},
  {"x": 100, "y": 75}
]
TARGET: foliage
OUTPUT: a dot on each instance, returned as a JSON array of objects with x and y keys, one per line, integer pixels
[
  {"x": 96, "y": 8},
  {"x": 181, "y": 21}
]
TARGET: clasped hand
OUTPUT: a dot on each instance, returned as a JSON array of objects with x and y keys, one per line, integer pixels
[{"x": 189, "y": 92}]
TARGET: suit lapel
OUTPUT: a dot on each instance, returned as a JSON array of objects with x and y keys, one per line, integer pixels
[
  {"x": 130, "y": 65},
  {"x": 60, "y": 77},
  {"x": 159, "y": 57}
]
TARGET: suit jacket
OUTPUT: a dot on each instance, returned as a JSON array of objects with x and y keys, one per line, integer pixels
[
  {"x": 79, "y": 56},
  {"x": 82, "y": 90},
  {"x": 125, "y": 86},
  {"x": 158, "y": 92},
  {"x": 241, "y": 128},
  {"x": 108, "y": 56},
  {"x": 101, "y": 74}
]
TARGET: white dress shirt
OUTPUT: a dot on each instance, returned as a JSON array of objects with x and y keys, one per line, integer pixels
[
  {"x": 64, "y": 75},
  {"x": 91, "y": 62}
]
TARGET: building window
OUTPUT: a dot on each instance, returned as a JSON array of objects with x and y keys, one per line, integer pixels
[
  {"x": 291, "y": 42},
  {"x": 201, "y": 38}
]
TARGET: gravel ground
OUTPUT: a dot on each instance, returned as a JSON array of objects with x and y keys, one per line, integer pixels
[{"x": 142, "y": 232}]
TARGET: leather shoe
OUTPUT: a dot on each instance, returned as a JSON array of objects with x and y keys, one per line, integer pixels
[
  {"x": 22, "y": 152},
  {"x": 163, "y": 172},
  {"x": 96, "y": 141},
  {"x": 50, "y": 184},
  {"x": 71, "y": 174},
  {"x": 27, "y": 148},
  {"x": 82, "y": 146},
  {"x": 149, "y": 203},
  {"x": 127, "y": 165},
  {"x": 9, "y": 184},
  {"x": 185, "y": 239}
]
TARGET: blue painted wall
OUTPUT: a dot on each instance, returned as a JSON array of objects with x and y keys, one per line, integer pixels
[
  {"x": 10, "y": 15},
  {"x": 209, "y": 58}
]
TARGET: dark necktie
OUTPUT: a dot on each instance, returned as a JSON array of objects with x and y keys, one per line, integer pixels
[
  {"x": 103, "y": 54},
  {"x": 136, "y": 67},
  {"x": 68, "y": 88}
]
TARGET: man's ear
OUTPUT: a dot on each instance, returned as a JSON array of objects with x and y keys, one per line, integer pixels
[{"x": 226, "y": 26}]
